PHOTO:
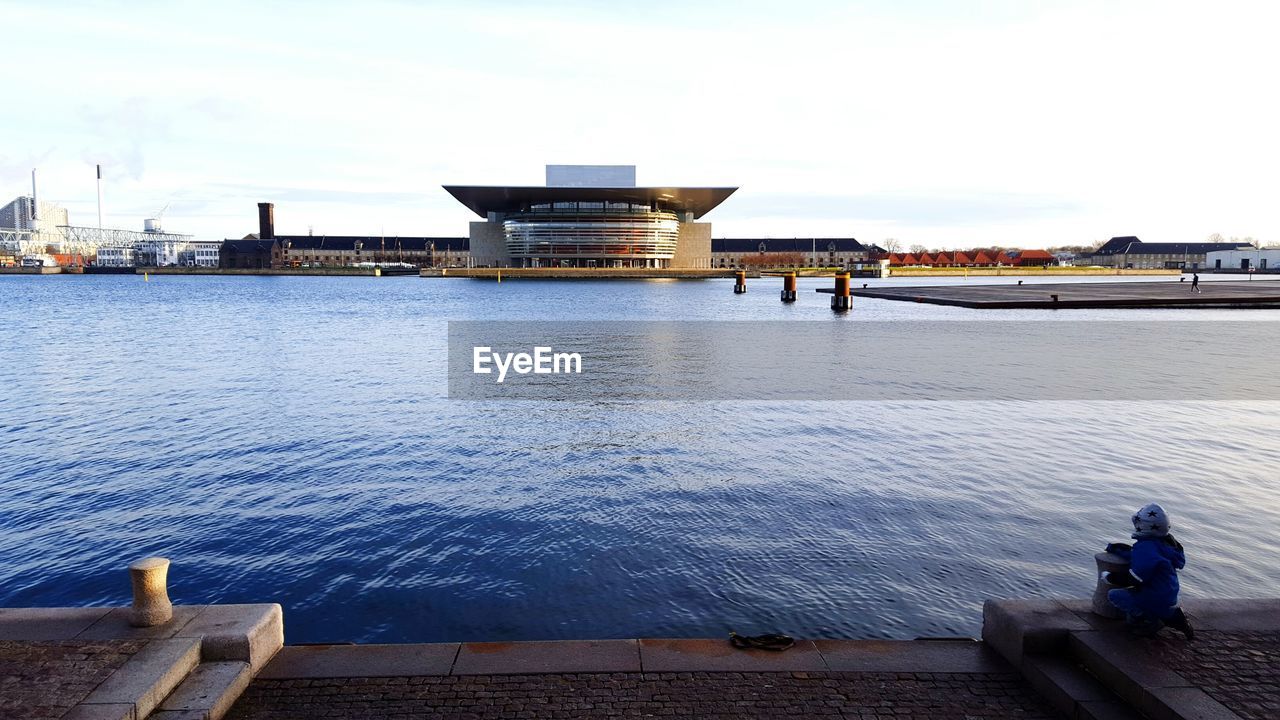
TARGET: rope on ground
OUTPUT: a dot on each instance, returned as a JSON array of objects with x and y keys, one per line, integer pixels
[{"x": 771, "y": 641}]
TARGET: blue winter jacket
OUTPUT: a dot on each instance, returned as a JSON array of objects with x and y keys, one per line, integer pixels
[{"x": 1155, "y": 563}]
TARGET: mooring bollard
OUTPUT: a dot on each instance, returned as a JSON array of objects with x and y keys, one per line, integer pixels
[
  {"x": 739, "y": 282},
  {"x": 841, "y": 300},
  {"x": 789, "y": 288},
  {"x": 1107, "y": 562},
  {"x": 151, "y": 604}
]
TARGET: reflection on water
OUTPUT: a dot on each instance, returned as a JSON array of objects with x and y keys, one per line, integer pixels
[{"x": 289, "y": 440}]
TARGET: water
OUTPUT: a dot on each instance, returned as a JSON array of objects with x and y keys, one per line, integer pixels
[{"x": 289, "y": 440}]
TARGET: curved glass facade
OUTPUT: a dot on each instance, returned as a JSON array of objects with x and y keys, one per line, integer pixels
[{"x": 589, "y": 233}]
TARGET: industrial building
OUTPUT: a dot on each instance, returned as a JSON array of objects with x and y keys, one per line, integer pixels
[
  {"x": 266, "y": 249},
  {"x": 769, "y": 253},
  {"x": 1130, "y": 252},
  {"x": 591, "y": 216},
  {"x": 1253, "y": 260}
]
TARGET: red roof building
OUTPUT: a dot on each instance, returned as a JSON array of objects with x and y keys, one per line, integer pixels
[{"x": 1035, "y": 258}]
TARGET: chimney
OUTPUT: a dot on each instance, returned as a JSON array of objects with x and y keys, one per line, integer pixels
[
  {"x": 99, "y": 197},
  {"x": 266, "y": 221}
]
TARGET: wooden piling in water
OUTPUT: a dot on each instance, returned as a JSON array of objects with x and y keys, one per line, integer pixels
[
  {"x": 841, "y": 300},
  {"x": 789, "y": 288}
]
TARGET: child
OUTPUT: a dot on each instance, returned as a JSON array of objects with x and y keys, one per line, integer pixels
[{"x": 1149, "y": 594}]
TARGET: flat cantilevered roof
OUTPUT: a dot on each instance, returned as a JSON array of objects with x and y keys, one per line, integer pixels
[{"x": 484, "y": 199}]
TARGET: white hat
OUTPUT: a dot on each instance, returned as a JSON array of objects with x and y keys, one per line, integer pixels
[{"x": 1150, "y": 521}]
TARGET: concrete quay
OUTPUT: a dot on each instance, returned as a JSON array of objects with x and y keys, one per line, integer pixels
[
  {"x": 581, "y": 273},
  {"x": 1041, "y": 658},
  {"x": 1061, "y": 296},
  {"x": 93, "y": 664}
]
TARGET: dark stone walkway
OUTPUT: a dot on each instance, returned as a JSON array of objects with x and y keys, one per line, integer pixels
[
  {"x": 45, "y": 679},
  {"x": 900, "y": 696},
  {"x": 1241, "y": 670}
]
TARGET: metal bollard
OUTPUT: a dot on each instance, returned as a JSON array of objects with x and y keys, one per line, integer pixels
[
  {"x": 1107, "y": 562},
  {"x": 841, "y": 300},
  {"x": 151, "y": 604},
  {"x": 739, "y": 282},
  {"x": 789, "y": 288}
]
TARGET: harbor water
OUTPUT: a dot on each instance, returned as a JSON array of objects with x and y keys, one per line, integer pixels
[{"x": 290, "y": 439}]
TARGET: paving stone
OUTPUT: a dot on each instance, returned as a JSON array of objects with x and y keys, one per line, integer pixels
[
  {"x": 115, "y": 625},
  {"x": 48, "y": 678},
  {"x": 729, "y": 695},
  {"x": 47, "y": 623},
  {"x": 1240, "y": 670},
  {"x": 547, "y": 657},
  {"x": 338, "y": 661},
  {"x": 915, "y": 656}
]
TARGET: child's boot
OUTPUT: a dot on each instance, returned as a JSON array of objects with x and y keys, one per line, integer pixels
[{"x": 1178, "y": 621}]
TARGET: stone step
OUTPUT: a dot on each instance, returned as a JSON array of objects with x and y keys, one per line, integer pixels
[
  {"x": 1072, "y": 691},
  {"x": 207, "y": 693},
  {"x": 1140, "y": 680},
  {"x": 143, "y": 682}
]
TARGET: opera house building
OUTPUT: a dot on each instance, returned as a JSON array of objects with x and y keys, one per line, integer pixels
[{"x": 590, "y": 216}]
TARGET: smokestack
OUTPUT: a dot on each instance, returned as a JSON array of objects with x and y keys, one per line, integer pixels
[
  {"x": 99, "y": 197},
  {"x": 266, "y": 221},
  {"x": 35, "y": 200}
]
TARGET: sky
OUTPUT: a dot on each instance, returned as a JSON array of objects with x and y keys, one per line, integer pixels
[{"x": 945, "y": 124}]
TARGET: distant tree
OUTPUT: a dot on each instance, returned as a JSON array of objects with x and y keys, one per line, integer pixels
[
  {"x": 892, "y": 245},
  {"x": 918, "y": 248},
  {"x": 1216, "y": 237},
  {"x": 1247, "y": 239},
  {"x": 774, "y": 260}
]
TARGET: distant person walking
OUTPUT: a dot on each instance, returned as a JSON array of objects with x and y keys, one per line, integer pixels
[{"x": 1195, "y": 282}]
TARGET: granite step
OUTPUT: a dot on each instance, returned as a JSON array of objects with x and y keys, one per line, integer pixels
[
  {"x": 139, "y": 686},
  {"x": 1072, "y": 691},
  {"x": 1141, "y": 681},
  {"x": 207, "y": 693}
]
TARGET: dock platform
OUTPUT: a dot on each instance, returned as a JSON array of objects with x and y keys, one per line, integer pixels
[
  {"x": 1244, "y": 294},
  {"x": 583, "y": 273}
]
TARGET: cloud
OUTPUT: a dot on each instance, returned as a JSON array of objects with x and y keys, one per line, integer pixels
[
  {"x": 907, "y": 208},
  {"x": 23, "y": 164},
  {"x": 277, "y": 193}
]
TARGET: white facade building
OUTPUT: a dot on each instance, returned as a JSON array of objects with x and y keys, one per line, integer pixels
[
  {"x": 115, "y": 257},
  {"x": 1259, "y": 260},
  {"x": 17, "y": 215},
  {"x": 199, "y": 254}
]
